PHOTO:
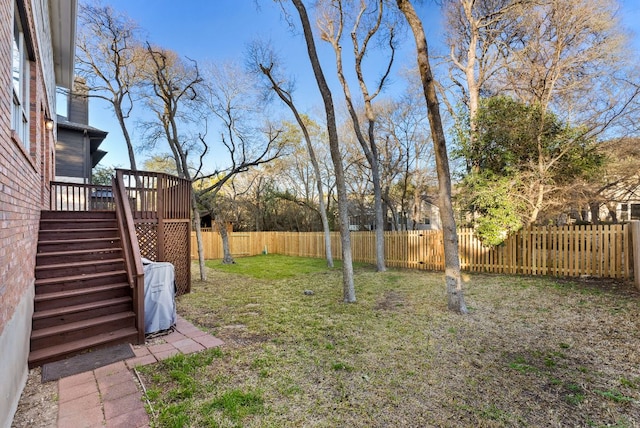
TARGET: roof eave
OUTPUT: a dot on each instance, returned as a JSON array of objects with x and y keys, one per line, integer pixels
[{"x": 62, "y": 16}]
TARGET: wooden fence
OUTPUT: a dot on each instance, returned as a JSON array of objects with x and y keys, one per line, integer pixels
[{"x": 594, "y": 250}]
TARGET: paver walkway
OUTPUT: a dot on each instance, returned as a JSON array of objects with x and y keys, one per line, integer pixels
[{"x": 110, "y": 396}]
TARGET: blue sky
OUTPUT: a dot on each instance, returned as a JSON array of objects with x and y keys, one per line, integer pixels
[{"x": 219, "y": 30}]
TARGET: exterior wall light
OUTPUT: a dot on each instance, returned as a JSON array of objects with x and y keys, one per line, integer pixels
[{"x": 48, "y": 123}]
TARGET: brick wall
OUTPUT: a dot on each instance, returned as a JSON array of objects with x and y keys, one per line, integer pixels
[
  {"x": 24, "y": 174},
  {"x": 24, "y": 191}
]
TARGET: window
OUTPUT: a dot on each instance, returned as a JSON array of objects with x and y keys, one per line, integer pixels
[
  {"x": 624, "y": 212},
  {"x": 20, "y": 75},
  {"x": 635, "y": 211}
]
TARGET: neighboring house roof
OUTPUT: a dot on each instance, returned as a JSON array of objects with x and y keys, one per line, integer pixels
[
  {"x": 62, "y": 18},
  {"x": 96, "y": 137},
  {"x": 624, "y": 194},
  {"x": 93, "y": 132}
]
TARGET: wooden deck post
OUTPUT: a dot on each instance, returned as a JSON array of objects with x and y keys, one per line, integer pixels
[
  {"x": 160, "y": 210},
  {"x": 635, "y": 244}
]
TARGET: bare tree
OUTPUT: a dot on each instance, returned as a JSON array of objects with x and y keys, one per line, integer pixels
[
  {"x": 406, "y": 157},
  {"x": 567, "y": 58},
  {"x": 367, "y": 24},
  {"x": 161, "y": 162},
  {"x": 479, "y": 35},
  {"x": 174, "y": 88},
  {"x": 295, "y": 180},
  {"x": 265, "y": 60},
  {"x": 348, "y": 289},
  {"x": 175, "y": 85},
  {"x": 180, "y": 96},
  {"x": 571, "y": 60},
  {"x": 229, "y": 97},
  {"x": 219, "y": 205},
  {"x": 455, "y": 297},
  {"x": 110, "y": 57}
]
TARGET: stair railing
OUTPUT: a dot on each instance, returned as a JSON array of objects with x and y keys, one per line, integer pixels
[
  {"x": 80, "y": 197},
  {"x": 131, "y": 249}
]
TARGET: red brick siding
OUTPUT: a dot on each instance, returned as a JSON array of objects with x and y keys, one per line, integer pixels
[{"x": 24, "y": 175}]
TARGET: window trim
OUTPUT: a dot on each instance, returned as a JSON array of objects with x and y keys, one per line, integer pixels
[{"x": 22, "y": 56}]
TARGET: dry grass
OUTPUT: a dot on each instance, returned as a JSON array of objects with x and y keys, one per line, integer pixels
[{"x": 532, "y": 352}]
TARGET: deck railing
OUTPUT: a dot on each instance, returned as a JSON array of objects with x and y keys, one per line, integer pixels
[
  {"x": 81, "y": 197},
  {"x": 161, "y": 209},
  {"x": 160, "y": 206},
  {"x": 154, "y": 217}
]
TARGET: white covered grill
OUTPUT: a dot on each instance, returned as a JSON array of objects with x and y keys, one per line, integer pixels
[{"x": 159, "y": 296}]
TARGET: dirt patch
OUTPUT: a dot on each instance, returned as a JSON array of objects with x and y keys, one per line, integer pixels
[
  {"x": 391, "y": 301},
  {"x": 606, "y": 285},
  {"x": 232, "y": 338},
  {"x": 38, "y": 407}
]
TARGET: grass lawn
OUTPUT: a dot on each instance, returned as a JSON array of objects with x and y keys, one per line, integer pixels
[{"x": 532, "y": 352}]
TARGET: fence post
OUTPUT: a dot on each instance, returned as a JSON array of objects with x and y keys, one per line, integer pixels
[{"x": 635, "y": 243}]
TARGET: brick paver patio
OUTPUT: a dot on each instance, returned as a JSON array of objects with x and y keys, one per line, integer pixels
[{"x": 111, "y": 396}]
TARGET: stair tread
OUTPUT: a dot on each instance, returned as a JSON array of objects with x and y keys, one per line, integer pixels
[
  {"x": 41, "y": 297},
  {"x": 79, "y": 308},
  {"x": 77, "y": 345},
  {"x": 53, "y": 214},
  {"x": 56, "y": 280},
  {"x": 76, "y": 220},
  {"x": 79, "y": 230},
  {"x": 65, "y": 243},
  {"x": 80, "y": 252},
  {"x": 78, "y": 240},
  {"x": 79, "y": 325},
  {"x": 78, "y": 264}
]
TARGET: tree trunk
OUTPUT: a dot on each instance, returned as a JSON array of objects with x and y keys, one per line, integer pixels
[
  {"x": 380, "y": 220},
  {"x": 533, "y": 217},
  {"x": 196, "y": 221},
  {"x": 327, "y": 233},
  {"x": 472, "y": 85},
  {"x": 612, "y": 208},
  {"x": 227, "y": 258},
  {"x": 594, "y": 207},
  {"x": 455, "y": 297},
  {"x": 127, "y": 138},
  {"x": 314, "y": 162},
  {"x": 370, "y": 150},
  {"x": 348, "y": 288},
  {"x": 377, "y": 189}
]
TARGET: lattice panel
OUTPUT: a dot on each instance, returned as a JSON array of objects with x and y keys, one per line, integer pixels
[
  {"x": 148, "y": 240},
  {"x": 176, "y": 241}
]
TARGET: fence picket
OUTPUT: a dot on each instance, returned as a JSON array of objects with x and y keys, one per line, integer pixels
[{"x": 598, "y": 250}]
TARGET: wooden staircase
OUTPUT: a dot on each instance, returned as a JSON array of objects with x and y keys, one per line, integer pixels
[{"x": 82, "y": 297}]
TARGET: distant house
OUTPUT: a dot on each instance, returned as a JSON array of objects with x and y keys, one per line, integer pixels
[
  {"x": 39, "y": 48},
  {"x": 629, "y": 210},
  {"x": 207, "y": 222},
  {"x": 618, "y": 196},
  {"x": 77, "y": 146},
  {"x": 624, "y": 202},
  {"x": 623, "y": 205},
  {"x": 424, "y": 215}
]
